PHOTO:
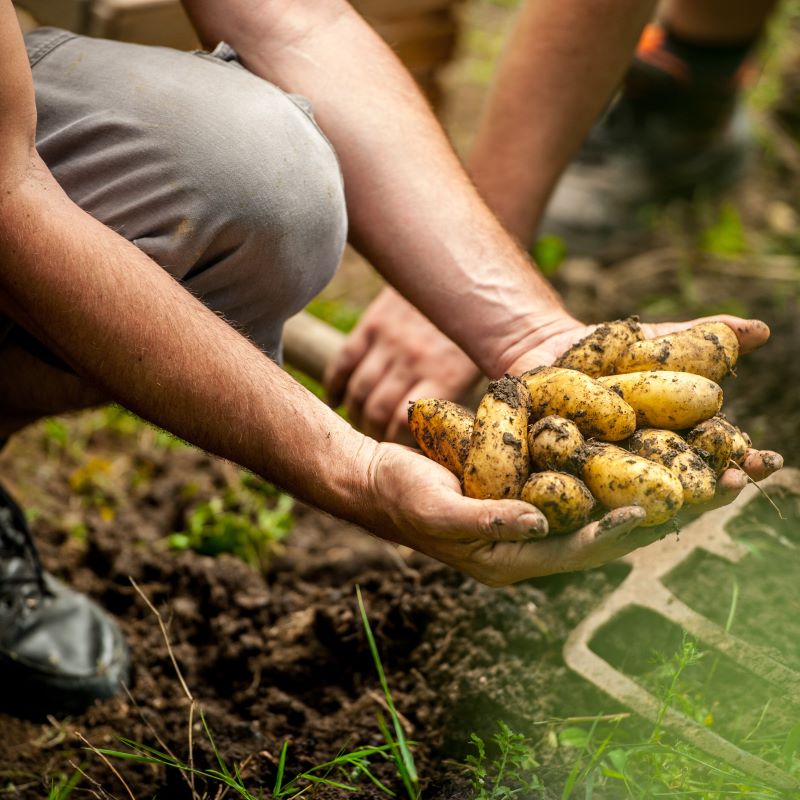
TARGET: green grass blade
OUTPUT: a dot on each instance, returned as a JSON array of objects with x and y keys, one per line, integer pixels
[
  {"x": 281, "y": 769},
  {"x": 335, "y": 784},
  {"x": 405, "y": 753},
  {"x": 64, "y": 788},
  {"x": 135, "y": 757}
]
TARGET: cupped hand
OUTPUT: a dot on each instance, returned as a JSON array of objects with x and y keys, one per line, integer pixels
[
  {"x": 751, "y": 333},
  {"x": 417, "y": 503},
  {"x": 394, "y": 355},
  {"x": 548, "y": 345}
]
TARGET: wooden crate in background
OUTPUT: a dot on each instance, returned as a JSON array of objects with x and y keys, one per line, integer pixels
[{"x": 422, "y": 32}]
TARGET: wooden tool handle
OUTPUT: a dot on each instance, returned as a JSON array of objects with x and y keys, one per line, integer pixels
[{"x": 309, "y": 344}]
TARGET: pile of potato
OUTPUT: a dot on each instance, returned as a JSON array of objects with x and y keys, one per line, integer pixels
[{"x": 618, "y": 420}]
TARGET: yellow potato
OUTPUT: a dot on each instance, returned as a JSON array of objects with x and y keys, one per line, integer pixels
[
  {"x": 721, "y": 440},
  {"x": 618, "y": 478},
  {"x": 709, "y": 349},
  {"x": 686, "y": 464},
  {"x": 597, "y": 353},
  {"x": 669, "y": 400},
  {"x": 741, "y": 444},
  {"x": 552, "y": 442},
  {"x": 497, "y": 463},
  {"x": 597, "y": 411},
  {"x": 442, "y": 430},
  {"x": 724, "y": 334},
  {"x": 563, "y": 499}
]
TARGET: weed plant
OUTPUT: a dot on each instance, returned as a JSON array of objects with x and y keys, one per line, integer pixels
[{"x": 238, "y": 521}]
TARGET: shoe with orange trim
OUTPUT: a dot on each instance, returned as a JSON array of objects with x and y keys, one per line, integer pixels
[{"x": 677, "y": 126}]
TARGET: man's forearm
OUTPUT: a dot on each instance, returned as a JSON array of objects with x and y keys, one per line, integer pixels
[
  {"x": 130, "y": 329},
  {"x": 413, "y": 211},
  {"x": 560, "y": 68}
]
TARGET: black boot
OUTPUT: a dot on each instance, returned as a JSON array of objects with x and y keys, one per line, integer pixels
[{"x": 58, "y": 650}]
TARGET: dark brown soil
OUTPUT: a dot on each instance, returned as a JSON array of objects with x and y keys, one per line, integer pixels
[{"x": 282, "y": 657}]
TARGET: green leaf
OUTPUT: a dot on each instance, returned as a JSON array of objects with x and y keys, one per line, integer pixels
[
  {"x": 549, "y": 253},
  {"x": 726, "y": 236},
  {"x": 791, "y": 744},
  {"x": 573, "y": 737}
]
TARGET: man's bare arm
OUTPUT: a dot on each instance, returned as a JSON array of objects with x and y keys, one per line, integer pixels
[
  {"x": 413, "y": 211},
  {"x": 17, "y": 105},
  {"x": 560, "y": 68},
  {"x": 126, "y": 327}
]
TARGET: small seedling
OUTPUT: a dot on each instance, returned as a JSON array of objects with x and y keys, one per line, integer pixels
[
  {"x": 510, "y": 774},
  {"x": 237, "y": 522}
]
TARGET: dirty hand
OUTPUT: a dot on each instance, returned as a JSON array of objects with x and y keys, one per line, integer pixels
[
  {"x": 757, "y": 465},
  {"x": 395, "y": 355},
  {"x": 415, "y": 502}
]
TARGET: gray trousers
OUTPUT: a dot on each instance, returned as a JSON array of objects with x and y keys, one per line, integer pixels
[{"x": 222, "y": 178}]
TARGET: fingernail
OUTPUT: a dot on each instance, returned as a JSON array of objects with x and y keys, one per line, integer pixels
[
  {"x": 758, "y": 323},
  {"x": 535, "y": 525}
]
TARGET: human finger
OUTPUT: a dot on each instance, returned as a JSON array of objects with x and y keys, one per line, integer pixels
[
  {"x": 590, "y": 546},
  {"x": 364, "y": 379},
  {"x": 338, "y": 372},
  {"x": 751, "y": 333},
  {"x": 389, "y": 394},
  {"x": 759, "y": 464},
  {"x": 467, "y": 519}
]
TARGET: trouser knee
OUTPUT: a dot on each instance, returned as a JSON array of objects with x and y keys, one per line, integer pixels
[{"x": 219, "y": 176}]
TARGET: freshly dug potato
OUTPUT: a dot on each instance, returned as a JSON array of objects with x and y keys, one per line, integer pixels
[
  {"x": 597, "y": 353},
  {"x": 684, "y": 462},
  {"x": 669, "y": 400},
  {"x": 442, "y": 430},
  {"x": 721, "y": 440},
  {"x": 597, "y": 411},
  {"x": 497, "y": 462},
  {"x": 741, "y": 443},
  {"x": 723, "y": 334},
  {"x": 563, "y": 499},
  {"x": 552, "y": 442},
  {"x": 618, "y": 478},
  {"x": 709, "y": 349}
]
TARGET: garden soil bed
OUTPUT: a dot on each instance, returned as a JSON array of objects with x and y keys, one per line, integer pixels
[{"x": 283, "y": 656}]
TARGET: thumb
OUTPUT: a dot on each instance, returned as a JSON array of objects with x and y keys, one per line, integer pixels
[{"x": 497, "y": 520}]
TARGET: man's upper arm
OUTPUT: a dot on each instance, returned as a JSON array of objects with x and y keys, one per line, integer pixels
[{"x": 17, "y": 103}]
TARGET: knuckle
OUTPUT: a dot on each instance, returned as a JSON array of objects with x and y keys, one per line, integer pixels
[
  {"x": 377, "y": 414},
  {"x": 358, "y": 390},
  {"x": 489, "y": 525}
]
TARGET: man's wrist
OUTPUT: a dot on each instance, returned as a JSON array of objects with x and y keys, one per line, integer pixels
[
  {"x": 349, "y": 493},
  {"x": 534, "y": 335}
]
